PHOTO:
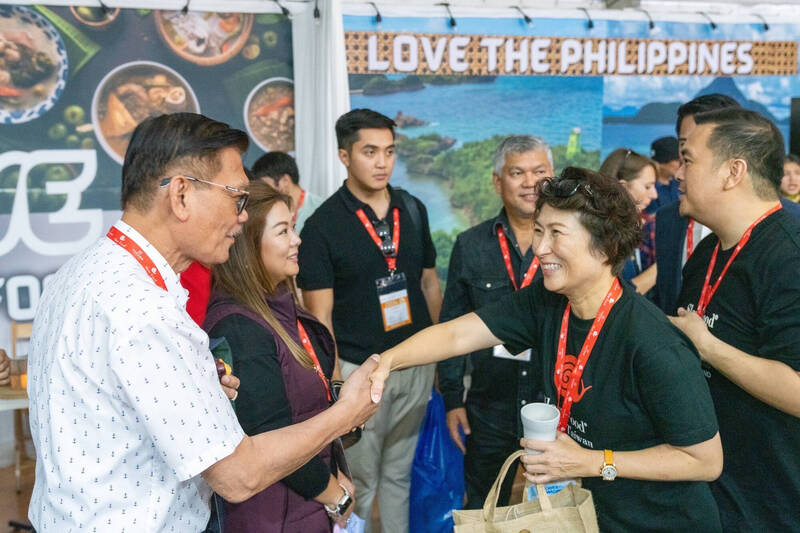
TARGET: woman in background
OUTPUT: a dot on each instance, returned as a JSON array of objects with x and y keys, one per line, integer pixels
[
  {"x": 284, "y": 358},
  {"x": 637, "y": 174}
]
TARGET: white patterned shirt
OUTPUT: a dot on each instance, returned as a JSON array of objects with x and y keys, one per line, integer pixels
[{"x": 125, "y": 404}]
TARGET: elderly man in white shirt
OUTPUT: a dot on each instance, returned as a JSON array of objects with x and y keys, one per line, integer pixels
[{"x": 131, "y": 426}]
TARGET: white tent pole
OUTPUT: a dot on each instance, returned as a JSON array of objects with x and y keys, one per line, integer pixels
[{"x": 321, "y": 95}]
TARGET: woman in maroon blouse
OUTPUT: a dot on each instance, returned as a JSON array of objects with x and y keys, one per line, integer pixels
[{"x": 284, "y": 358}]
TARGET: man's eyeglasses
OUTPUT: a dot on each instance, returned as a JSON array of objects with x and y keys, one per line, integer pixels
[
  {"x": 241, "y": 198},
  {"x": 383, "y": 231}
]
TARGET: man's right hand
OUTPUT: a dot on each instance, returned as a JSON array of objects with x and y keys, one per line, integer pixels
[
  {"x": 457, "y": 418},
  {"x": 355, "y": 393}
]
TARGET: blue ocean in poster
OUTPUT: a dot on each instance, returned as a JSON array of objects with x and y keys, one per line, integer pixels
[
  {"x": 509, "y": 105},
  {"x": 476, "y": 111}
]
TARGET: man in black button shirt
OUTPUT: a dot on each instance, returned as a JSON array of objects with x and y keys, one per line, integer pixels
[
  {"x": 367, "y": 270},
  {"x": 744, "y": 281},
  {"x": 479, "y": 274}
]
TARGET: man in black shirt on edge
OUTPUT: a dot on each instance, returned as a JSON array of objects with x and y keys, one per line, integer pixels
[
  {"x": 367, "y": 270},
  {"x": 489, "y": 261},
  {"x": 744, "y": 281}
]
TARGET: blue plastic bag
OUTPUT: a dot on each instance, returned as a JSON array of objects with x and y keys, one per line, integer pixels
[{"x": 437, "y": 476}]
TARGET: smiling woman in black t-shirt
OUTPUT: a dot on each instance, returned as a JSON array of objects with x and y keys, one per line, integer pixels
[{"x": 628, "y": 383}]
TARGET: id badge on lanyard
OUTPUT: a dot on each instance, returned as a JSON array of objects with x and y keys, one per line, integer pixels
[{"x": 393, "y": 299}]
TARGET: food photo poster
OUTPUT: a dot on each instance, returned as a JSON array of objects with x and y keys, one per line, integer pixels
[{"x": 74, "y": 83}]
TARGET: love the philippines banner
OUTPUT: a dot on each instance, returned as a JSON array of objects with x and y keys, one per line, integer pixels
[{"x": 456, "y": 91}]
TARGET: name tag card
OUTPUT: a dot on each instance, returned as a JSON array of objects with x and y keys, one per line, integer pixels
[
  {"x": 501, "y": 352},
  {"x": 393, "y": 297}
]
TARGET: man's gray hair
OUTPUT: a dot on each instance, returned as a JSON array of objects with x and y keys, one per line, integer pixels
[{"x": 519, "y": 144}]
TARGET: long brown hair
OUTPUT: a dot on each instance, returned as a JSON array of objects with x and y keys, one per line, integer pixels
[
  {"x": 625, "y": 164},
  {"x": 243, "y": 275}
]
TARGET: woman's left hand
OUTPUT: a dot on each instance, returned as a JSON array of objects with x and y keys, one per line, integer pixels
[{"x": 562, "y": 458}]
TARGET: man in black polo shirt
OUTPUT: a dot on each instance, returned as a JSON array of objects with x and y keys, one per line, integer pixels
[
  {"x": 367, "y": 270},
  {"x": 489, "y": 261},
  {"x": 744, "y": 281}
]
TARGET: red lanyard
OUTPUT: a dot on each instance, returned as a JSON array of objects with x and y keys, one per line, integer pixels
[
  {"x": 501, "y": 236},
  {"x": 570, "y": 381},
  {"x": 140, "y": 255},
  {"x": 708, "y": 291},
  {"x": 310, "y": 349},
  {"x": 299, "y": 204},
  {"x": 391, "y": 262},
  {"x": 690, "y": 238}
]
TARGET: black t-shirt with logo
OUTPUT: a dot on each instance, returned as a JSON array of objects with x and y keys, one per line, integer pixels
[
  {"x": 757, "y": 310},
  {"x": 641, "y": 387}
]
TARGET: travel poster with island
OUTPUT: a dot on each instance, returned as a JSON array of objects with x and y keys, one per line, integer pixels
[{"x": 455, "y": 92}]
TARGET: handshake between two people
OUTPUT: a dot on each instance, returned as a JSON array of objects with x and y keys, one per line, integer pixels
[{"x": 357, "y": 392}]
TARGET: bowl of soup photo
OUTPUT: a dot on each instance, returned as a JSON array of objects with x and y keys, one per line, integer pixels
[
  {"x": 33, "y": 65},
  {"x": 204, "y": 38},
  {"x": 132, "y": 93},
  {"x": 269, "y": 115}
]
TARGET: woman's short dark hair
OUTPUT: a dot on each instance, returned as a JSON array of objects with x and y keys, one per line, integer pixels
[
  {"x": 348, "y": 125},
  {"x": 791, "y": 158},
  {"x": 169, "y": 143},
  {"x": 605, "y": 209}
]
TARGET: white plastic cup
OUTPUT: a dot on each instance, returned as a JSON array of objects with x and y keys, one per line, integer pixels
[{"x": 539, "y": 422}]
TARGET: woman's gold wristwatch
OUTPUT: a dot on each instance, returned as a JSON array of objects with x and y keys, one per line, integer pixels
[{"x": 609, "y": 470}]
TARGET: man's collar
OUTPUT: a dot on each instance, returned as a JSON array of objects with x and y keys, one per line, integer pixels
[
  {"x": 353, "y": 204},
  {"x": 169, "y": 276},
  {"x": 501, "y": 221}
]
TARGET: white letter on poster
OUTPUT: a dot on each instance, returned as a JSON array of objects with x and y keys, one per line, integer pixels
[
  {"x": 727, "y": 64},
  {"x": 570, "y": 53},
  {"x": 19, "y": 228},
  {"x": 520, "y": 55},
  {"x": 612, "y": 57},
  {"x": 457, "y": 51},
  {"x": 656, "y": 55},
  {"x": 433, "y": 57},
  {"x": 373, "y": 63},
  {"x": 692, "y": 58},
  {"x": 744, "y": 57},
  {"x": 491, "y": 44},
  {"x": 676, "y": 55},
  {"x": 590, "y": 56},
  {"x": 707, "y": 57},
  {"x": 623, "y": 67},
  {"x": 539, "y": 62},
  {"x": 410, "y": 43}
]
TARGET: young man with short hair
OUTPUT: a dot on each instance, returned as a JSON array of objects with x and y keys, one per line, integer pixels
[
  {"x": 367, "y": 271},
  {"x": 279, "y": 169}
]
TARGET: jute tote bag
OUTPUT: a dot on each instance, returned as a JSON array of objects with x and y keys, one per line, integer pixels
[{"x": 569, "y": 511}]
